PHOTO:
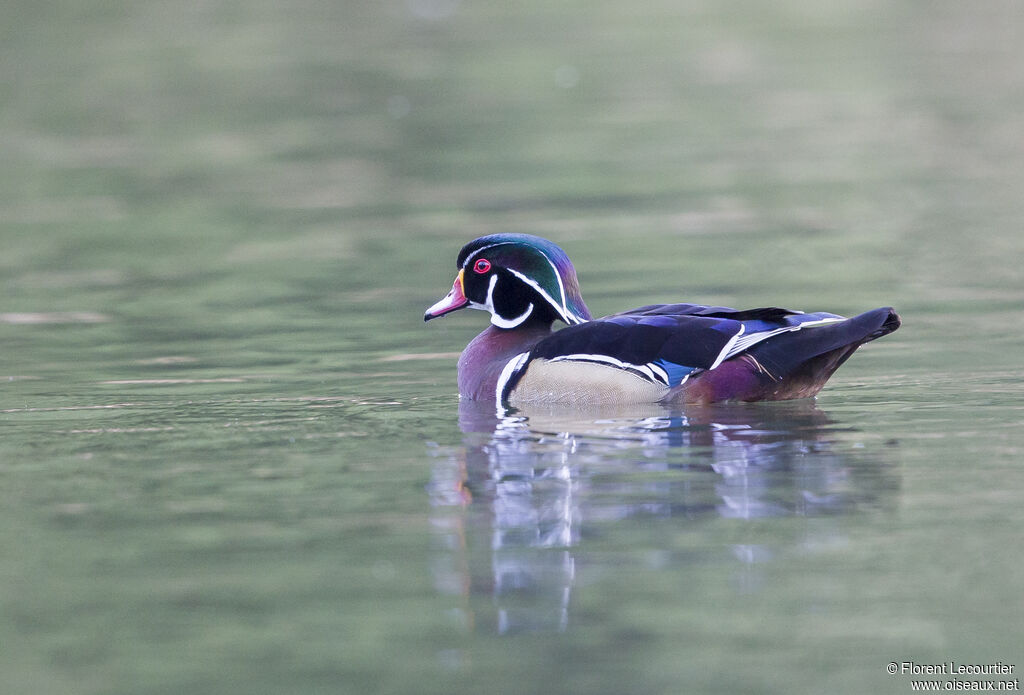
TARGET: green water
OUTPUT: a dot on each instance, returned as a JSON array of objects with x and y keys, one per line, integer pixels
[{"x": 232, "y": 458}]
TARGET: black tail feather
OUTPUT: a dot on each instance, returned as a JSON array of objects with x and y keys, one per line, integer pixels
[{"x": 788, "y": 352}]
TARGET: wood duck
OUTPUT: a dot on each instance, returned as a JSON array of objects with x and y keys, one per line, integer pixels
[{"x": 660, "y": 353}]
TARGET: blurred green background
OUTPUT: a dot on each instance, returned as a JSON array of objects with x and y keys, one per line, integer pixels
[
  {"x": 220, "y": 223},
  {"x": 229, "y": 136}
]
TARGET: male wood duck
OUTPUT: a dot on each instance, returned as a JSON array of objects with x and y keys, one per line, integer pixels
[{"x": 660, "y": 353}]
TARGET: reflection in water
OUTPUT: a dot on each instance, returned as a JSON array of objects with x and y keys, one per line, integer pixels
[{"x": 523, "y": 486}]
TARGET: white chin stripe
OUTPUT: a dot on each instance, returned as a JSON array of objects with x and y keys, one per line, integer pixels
[
  {"x": 511, "y": 323},
  {"x": 500, "y": 321}
]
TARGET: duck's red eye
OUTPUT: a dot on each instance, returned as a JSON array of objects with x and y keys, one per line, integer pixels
[{"x": 481, "y": 266}]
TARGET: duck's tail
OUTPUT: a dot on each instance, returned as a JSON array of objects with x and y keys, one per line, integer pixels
[
  {"x": 794, "y": 364},
  {"x": 831, "y": 344}
]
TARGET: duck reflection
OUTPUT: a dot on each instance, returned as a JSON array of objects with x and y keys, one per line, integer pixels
[{"x": 514, "y": 501}]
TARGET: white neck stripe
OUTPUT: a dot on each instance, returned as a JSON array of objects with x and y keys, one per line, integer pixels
[{"x": 563, "y": 311}]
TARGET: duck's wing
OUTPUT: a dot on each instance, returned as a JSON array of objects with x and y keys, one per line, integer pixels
[{"x": 663, "y": 344}]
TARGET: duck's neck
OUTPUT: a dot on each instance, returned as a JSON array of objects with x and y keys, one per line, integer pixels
[{"x": 483, "y": 359}]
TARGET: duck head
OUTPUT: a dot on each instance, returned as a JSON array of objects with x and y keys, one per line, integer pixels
[{"x": 519, "y": 278}]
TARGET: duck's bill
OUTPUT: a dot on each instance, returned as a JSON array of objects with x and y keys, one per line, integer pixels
[{"x": 456, "y": 299}]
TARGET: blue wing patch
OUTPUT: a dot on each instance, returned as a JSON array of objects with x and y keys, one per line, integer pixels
[{"x": 675, "y": 373}]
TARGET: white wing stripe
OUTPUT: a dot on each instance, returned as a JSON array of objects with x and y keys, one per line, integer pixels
[
  {"x": 729, "y": 348},
  {"x": 744, "y": 343},
  {"x": 648, "y": 371}
]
